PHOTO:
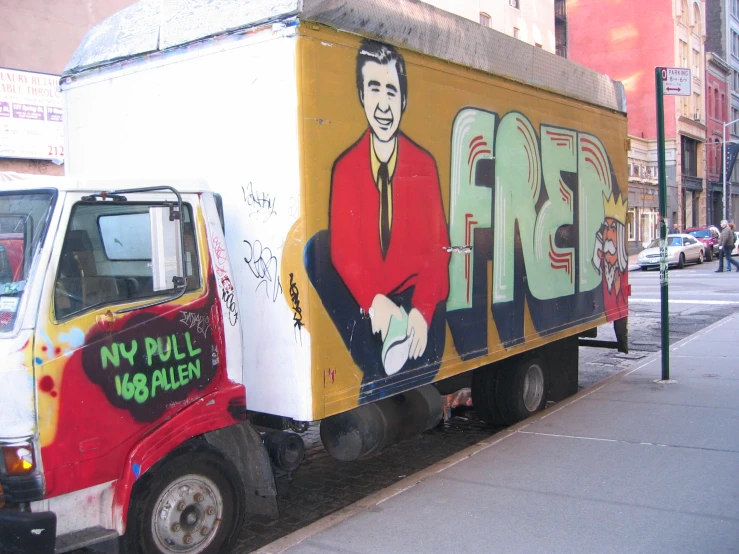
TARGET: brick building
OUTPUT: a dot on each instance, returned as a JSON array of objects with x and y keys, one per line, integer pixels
[
  {"x": 38, "y": 38},
  {"x": 718, "y": 74},
  {"x": 722, "y": 39}
]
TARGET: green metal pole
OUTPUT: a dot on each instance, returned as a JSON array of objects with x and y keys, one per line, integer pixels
[{"x": 665, "y": 322}]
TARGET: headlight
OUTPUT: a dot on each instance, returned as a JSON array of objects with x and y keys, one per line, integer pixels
[{"x": 19, "y": 459}]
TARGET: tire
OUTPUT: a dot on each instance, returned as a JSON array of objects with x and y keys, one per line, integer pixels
[
  {"x": 709, "y": 256},
  {"x": 209, "y": 513},
  {"x": 681, "y": 261},
  {"x": 700, "y": 257},
  {"x": 522, "y": 388},
  {"x": 484, "y": 389}
]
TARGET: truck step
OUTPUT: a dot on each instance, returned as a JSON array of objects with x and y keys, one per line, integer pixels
[{"x": 88, "y": 538}]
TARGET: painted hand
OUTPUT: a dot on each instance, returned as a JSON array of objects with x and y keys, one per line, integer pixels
[
  {"x": 382, "y": 309},
  {"x": 420, "y": 330}
]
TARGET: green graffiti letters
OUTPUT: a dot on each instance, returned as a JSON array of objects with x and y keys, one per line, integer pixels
[
  {"x": 526, "y": 207},
  {"x": 140, "y": 389},
  {"x": 139, "y": 386}
]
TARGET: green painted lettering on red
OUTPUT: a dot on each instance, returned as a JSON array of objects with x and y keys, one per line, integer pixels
[
  {"x": 164, "y": 353},
  {"x": 193, "y": 351},
  {"x": 129, "y": 354},
  {"x": 110, "y": 355},
  {"x": 177, "y": 354},
  {"x": 194, "y": 369},
  {"x": 184, "y": 378},
  {"x": 151, "y": 349}
]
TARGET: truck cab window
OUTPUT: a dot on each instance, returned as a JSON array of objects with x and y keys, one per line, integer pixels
[{"x": 106, "y": 257}]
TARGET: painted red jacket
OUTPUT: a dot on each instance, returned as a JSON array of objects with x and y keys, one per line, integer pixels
[
  {"x": 616, "y": 305},
  {"x": 417, "y": 255}
]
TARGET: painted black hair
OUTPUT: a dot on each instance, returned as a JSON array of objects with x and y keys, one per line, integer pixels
[{"x": 373, "y": 51}]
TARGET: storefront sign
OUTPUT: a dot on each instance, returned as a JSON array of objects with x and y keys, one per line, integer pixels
[
  {"x": 31, "y": 116},
  {"x": 647, "y": 197}
]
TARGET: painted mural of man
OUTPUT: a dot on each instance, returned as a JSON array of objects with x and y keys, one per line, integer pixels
[
  {"x": 382, "y": 268},
  {"x": 611, "y": 260}
]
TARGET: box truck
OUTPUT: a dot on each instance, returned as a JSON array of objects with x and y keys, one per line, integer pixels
[{"x": 302, "y": 211}]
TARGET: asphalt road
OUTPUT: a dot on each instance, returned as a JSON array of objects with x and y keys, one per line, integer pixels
[{"x": 698, "y": 297}]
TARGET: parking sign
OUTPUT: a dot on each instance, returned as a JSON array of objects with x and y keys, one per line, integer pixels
[{"x": 676, "y": 81}]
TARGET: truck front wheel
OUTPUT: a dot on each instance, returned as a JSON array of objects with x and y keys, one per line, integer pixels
[
  {"x": 522, "y": 388},
  {"x": 191, "y": 503}
]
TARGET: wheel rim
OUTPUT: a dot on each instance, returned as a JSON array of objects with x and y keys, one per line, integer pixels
[
  {"x": 533, "y": 387},
  {"x": 187, "y": 515}
]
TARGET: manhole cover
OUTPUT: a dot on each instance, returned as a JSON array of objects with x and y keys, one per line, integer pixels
[
  {"x": 630, "y": 356},
  {"x": 604, "y": 361}
]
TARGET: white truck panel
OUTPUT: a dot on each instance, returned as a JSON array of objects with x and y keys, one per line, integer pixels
[{"x": 197, "y": 113}]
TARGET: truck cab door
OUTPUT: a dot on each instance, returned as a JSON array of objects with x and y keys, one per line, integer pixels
[{"x": 115, "y": 352}]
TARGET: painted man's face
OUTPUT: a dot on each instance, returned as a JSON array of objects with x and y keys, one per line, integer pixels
[{"x": 381, "y": 99}]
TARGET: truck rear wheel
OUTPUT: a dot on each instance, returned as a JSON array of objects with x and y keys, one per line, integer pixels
[
  {"x": 522, "y": 388},
  {"x": 484, "y": 392},
  {"x": 192, "y": 503}
]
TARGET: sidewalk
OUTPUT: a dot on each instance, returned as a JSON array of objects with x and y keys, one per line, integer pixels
[{"x": 628, "y": 465}]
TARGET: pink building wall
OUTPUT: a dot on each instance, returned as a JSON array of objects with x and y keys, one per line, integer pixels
[{"x": 627, "y": 39}]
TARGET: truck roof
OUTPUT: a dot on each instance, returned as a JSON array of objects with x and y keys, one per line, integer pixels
[
  {"x": 151, "y": 26},
  {"x": 99, "y": 185}
]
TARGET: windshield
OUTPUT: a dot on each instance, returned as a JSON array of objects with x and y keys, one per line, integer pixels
[
  {"x": 671, "y": 241},
  {"x": 23, "y": 221},
  {"x": 702, "y": 234}
]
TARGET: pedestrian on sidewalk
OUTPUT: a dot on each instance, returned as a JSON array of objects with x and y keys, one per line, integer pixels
[
  {"x": 675, "y": 229},
  {"x": 726, "y": 242}
]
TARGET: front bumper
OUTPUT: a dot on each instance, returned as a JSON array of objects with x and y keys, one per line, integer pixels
[
  {"x": 654, "y": 262},
  {"x": 27, "y": 532}
]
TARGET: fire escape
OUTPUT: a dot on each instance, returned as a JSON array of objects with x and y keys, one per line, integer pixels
[{"x": 560, "y": 27}]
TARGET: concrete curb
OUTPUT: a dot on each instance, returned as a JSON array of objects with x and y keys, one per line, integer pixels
[{"x": 295, "y": 538}]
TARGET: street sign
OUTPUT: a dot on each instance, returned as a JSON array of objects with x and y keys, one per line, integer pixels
[{"x": 676, "y": 81}]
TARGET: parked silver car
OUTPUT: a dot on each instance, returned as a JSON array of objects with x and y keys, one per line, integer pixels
[{"x": 681, "y": 249}]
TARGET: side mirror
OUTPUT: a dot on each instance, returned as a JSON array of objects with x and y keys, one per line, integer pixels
[{"x": 166, "y": 248}]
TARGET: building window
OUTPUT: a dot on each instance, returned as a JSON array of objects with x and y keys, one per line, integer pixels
[
  {"x": 696, "y": 107},
  {"x": 684, "y": 54},
  {"x": 684, "y": 14},
  {"x": 735, "y": 81},
  {"x": 734, "y": 44},
  {"x": 514, "y": 4},
  {"x": 516, "y": 31},
  {"x": 735, "y": 8},
  {"x": 716, "y": 105},
  {"x": 716, "y": 156},
  {"x": 689, "y": 157},
  {"x": 698, "y": 28},
  {"x": 104, "y": 263},
  {"x": 485, "y": 20},
  {"x": 631, "y": 224},
  {"x": 648, "y": 226},
  {"x": 723, "y": 108},
  {"x": 709, "y": 105},
  {"x": 696, "y": 64}
]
